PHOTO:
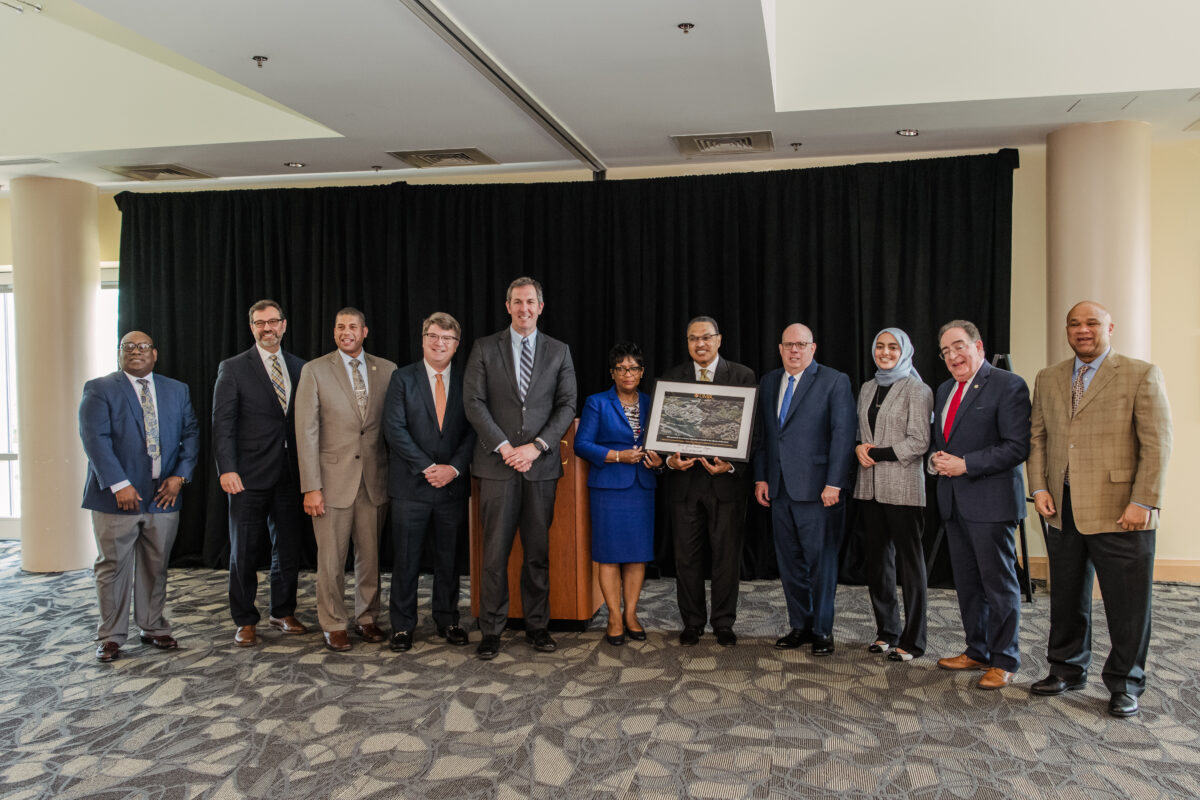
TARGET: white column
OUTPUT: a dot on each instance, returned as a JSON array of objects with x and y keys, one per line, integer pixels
[
  {"x": 56, "y": 275},
  {"x": 1098, "y": 230}
]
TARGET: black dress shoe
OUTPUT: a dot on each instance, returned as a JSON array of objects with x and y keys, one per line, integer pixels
[
  {"x": 1122, "y": 705},
  {"x": 454, "y": 635},
  {"x": 793, "y": 639},
  {"x": 107, "y": 651},
  {"x": 690, "y": 637},
  {"x": 822, "y": 645},
  {"x": 1056, "y": 684},
  {"x": 163, "y": 642},
  {"x": 401, "y": 641},
  {"x": 636, "y": 636},
  {"x": 541, "y": 640},
  {"x": 726, "y": 637},
  {"x": 489, "y": 648},
  {"x": 615, "y": 641}
]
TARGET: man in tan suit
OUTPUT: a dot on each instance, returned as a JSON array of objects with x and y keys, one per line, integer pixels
[
  {"x": 343, "y": 474},
  {"x": 1101, "y": 439}
]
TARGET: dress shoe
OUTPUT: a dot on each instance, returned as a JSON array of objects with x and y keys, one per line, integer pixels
[
  {"x": 107, "y": 651},
  {"x": 995, "y": 678},
  {"x": 962, "y": 661},
  {"x": 489, "y": 647},
  {"x": 1122, "y": 705},
  {"x": 900, "y": 655},
  {"x": 370, "y": 632},
  {"x": 726, "y": 637},
  {"x": 289, "y": 625},
  {"x": 454, "y": 635},
  {"x": 689, "y": 637},
  {"x": 338, "y": 641},
  {"x": 822, "y": 645},
  {"x": 615, "y": 641},
  {"x": 879, "y": 647},
  {"x": 245, "y": 636},
  {"x": 163, "y": 642},
  {"x": 637, "y": 634},
  {"x": 541, "y": 640},
  {"x": 401, "y": 641},
  {"x": 1056, "y": 684},
  {"x": 793, "y": 639}
]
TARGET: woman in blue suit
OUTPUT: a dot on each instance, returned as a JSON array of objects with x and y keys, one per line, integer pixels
[{"x": 621, "y": 488}]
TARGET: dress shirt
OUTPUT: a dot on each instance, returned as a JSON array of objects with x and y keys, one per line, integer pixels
[
  {"x": 783, "y": 382},
  {"x": 1093, "y": 368},
  {"x": 362, "y": 368},
  {"x": 712, "y": 369},
  {"x": 265, "y": 355},
  {"x": 156, "y": 468},
  {"x": 966, "y": 390},
  {"x": 432, "y": 373}
]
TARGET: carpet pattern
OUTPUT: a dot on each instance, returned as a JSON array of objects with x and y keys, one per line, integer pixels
[{"x": 288, "y": 719}]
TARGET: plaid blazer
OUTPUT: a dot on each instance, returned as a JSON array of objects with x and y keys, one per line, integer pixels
[
  {"x": 1117, "y": 444},
  {"x": 903, "y": 424}
]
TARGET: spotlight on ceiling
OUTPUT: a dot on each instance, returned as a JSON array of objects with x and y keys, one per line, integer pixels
[
  {"x": 294, "y": 164},
  {"x": 908, "y": 132}
]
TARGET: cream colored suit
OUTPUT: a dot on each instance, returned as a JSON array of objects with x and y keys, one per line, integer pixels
[
  {"x": 343, "y": 454},
  {"x": 1117, "y": 444}
]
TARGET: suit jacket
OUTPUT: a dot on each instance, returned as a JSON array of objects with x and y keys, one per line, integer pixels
[
  {"x": 494, "y": 408},
  {"x": 252, "y": 435},
  {"x": 814, "y": 447},
  {"x": 114, "y": 438},
  {"x": 338, "y": 450},
  {"x": 603, "y": 426},
  {"x": 414, "y": 441},
  {"x": 726, "y": 486},
  {"x": 991, "y": 432},
  {"x": 1117, "y": 444},
  {"x": 902, "y": 423}
]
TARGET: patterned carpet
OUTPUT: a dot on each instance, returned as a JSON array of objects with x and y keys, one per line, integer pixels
[{"x": 288, "y": 719}]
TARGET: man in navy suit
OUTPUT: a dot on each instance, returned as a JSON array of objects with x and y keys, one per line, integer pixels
[
  {"x": 519, "y": 395},
  {"x": 141, "y": 440},
  {"x": 980, "y": 440},
  {"x": 254, "y": 441},
  {"x": 429, "y": 455},
  {"x": 807, "y": 418}
]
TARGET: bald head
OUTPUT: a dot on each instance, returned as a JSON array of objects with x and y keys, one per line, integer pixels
[
  {"x": 797, "y": 348},
  {"x": 1089, "y": 330}
]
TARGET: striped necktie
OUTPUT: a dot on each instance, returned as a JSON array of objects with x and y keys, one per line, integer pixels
[
  {"x": 526, "y": 367},
  {"x": 277, "y": 382}
]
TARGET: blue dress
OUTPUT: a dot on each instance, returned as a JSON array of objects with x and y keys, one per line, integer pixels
[{"x": 621, "y": 495}]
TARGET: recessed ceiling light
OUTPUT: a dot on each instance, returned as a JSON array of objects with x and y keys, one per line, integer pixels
[
  {"x": 686, "y": 27},
  {"x": 293, "y": 164},
  {"x": 908, "y": 132}
]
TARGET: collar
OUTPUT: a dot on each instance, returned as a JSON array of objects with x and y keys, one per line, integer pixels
[{"x": 1095, "y": 365}]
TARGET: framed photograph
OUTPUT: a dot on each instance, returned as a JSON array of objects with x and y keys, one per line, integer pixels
[{"x": 701, "y": 419}]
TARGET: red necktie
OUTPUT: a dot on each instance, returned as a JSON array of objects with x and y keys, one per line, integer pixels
[{"x": 950, "y": 412}]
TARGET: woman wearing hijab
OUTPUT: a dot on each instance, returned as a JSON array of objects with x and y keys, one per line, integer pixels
[{"x": 893, "y": 425}]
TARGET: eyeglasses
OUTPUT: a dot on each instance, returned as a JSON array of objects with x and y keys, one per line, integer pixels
[
  {"x": 628, "y": 370},
  {"x": 794, "y": 345},
  {"x": 136, "y": 347},
  {"x": 706, "y": 338},
  {"x": 958, "y": 347},
  {"x": 434, "y": 338},
  {"x": 259, "y": 324}
]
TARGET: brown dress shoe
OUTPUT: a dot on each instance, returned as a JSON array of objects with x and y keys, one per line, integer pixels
[
  {"x": 995, "y": 678},
  {"x": 163, "y": 642},
  {"x": 370, "y": 632},
  {"x": 245, "y": 636},
  {"x": 337, "y": 641},
  {"x": 963, "y": 661},
  {"x": 107, "y": 651},
  {"x": 289, "y": 625}
]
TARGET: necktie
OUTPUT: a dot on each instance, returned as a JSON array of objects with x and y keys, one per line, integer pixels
[
  {"x": 277, "y": 382},
  {"x": 1077, "y": 388},
  {"x": 787, "y": 399},
  {"x": 360, "y": 388},
  {"x": 954, "y": 403},
  {"x": 439, "y": 399},
  {"x": 526, "y": 367},
  {"x": 704, "y": 376},
  {"x": 150, "y": 419}
]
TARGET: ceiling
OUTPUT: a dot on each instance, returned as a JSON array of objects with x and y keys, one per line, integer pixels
[{"x": 599, "y": 84}]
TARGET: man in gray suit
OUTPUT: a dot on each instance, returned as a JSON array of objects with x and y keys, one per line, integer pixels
[{"x": 519, "y": 394}]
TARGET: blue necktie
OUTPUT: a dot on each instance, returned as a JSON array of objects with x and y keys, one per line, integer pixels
[{"x": 787, "y": 399}]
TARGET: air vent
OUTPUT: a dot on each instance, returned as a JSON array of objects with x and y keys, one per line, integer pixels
[
  {"x": 159, "y": 172},
  {"x": 724, "y": 144},
  {"x": 24, "y": 162},
  {"x": 459, "y": 157}
]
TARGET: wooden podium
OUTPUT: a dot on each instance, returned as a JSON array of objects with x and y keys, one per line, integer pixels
[{"x": 574, "y": 584}]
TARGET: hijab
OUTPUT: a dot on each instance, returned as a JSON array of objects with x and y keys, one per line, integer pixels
[{"x": 904, "y": 367}]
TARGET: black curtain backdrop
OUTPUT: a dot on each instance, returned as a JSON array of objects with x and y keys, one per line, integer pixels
[{"x": 846, "y": 250}]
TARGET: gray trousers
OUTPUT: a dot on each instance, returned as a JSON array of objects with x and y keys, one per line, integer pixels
[
  {"x": 505, "y": 506},
  {"x": 131, "y": 560}
]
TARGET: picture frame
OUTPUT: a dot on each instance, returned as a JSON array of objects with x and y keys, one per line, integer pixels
[{"x": 702, "y": 419}]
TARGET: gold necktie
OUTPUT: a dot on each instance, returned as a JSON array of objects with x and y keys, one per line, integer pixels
[{"x": 704, "y": 376}]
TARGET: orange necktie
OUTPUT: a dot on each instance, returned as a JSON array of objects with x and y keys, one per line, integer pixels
[{"x": 439, "y": 399}]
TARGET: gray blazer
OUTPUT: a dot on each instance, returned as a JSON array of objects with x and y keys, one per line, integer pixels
[
  {"x": 902, "y": 424},
  {"x": 494, "y": 408}
]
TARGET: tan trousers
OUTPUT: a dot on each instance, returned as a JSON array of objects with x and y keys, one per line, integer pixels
[{"x": 361, "y": 522}]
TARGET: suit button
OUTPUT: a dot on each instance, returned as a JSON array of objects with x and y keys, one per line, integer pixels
[{"x": 357, "y": 457}]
